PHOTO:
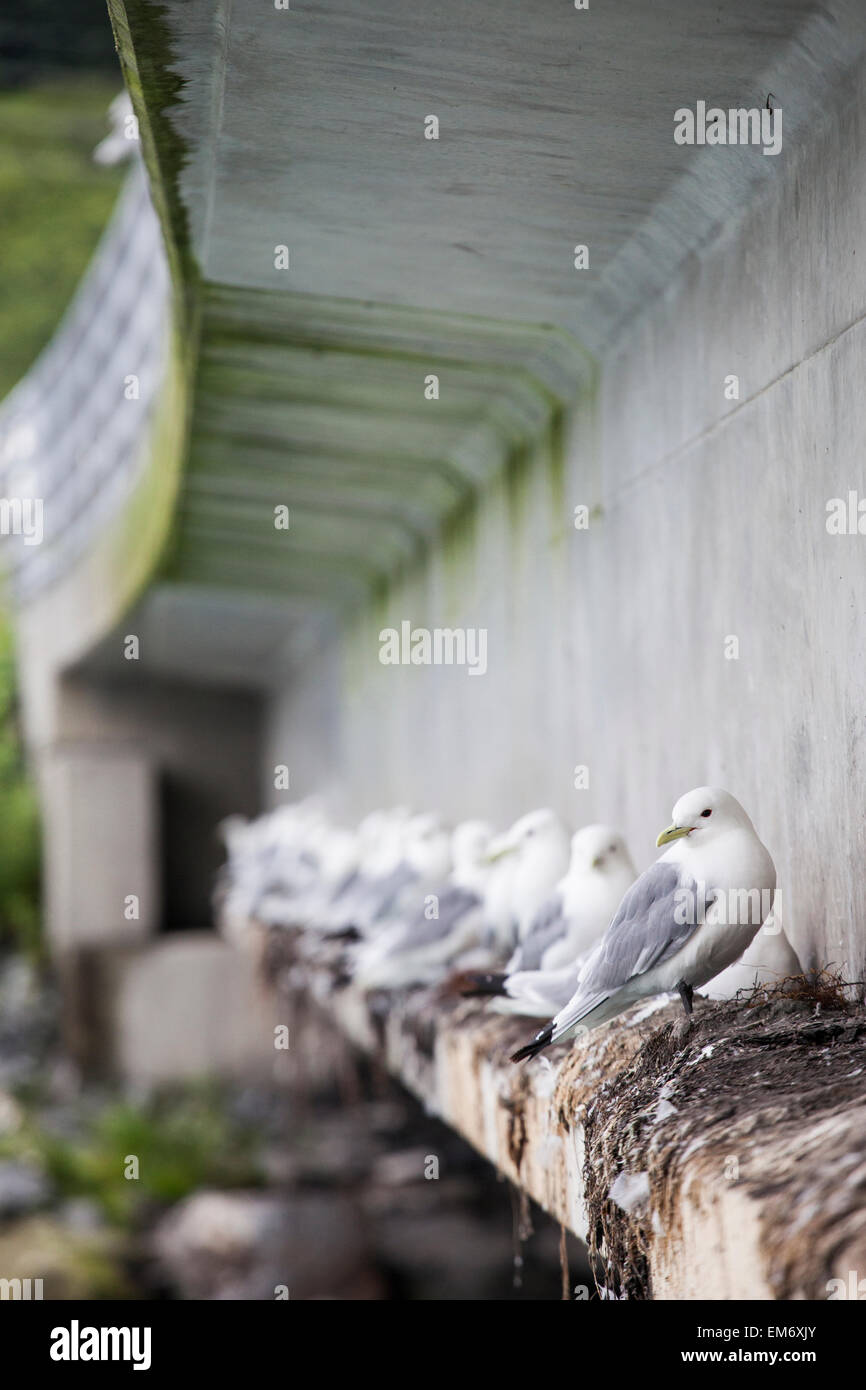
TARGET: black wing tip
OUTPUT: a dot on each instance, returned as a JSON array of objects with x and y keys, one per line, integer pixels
[{"x": 538, "y": 1044}]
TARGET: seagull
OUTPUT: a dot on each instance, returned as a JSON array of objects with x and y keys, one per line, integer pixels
[
  {"x": 270, "y": 864},
  {"x": 600, "y": 872},
  {"x": 497, "y": 896},
  {"x": 417, "y": 949},
  {"x": 688, "y": 917},
  {"x": 369, "y": 890},
  {"x": 337, "y": 852},
  {"x": 534, "y": 856},
  {"x": 565, "y": 929},
  {"x": 426, "y": 859}
]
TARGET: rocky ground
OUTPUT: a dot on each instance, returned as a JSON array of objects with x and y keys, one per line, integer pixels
[{"x": 343, "y": 1190}]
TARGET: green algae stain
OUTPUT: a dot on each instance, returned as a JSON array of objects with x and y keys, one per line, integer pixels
[
  {"x": 557, "y": 437},
  {"x": 143, "y": 41},
  {"x": 458, "y": 548}
]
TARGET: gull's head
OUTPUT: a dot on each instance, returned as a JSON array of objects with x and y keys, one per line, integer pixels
[
  {"x": 470, "y": 844},
  {"x": 428, "y": 846},
  {"x": 599, "y": 848},
  {"x": 703, "y": 815},
  {"x": 381, "y": 838},
  {"x": 536, "y": 832},
  {"x": 338, "y": 854}
]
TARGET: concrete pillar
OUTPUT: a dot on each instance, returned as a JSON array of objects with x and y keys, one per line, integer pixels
[{"x": 101, "y": 850}]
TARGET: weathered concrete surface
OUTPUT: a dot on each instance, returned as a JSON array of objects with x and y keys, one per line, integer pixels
[
  {"x": 140, "y": 775},
  {"x": 305, "y": 127},
  {"x": 102, "y": 871},
  {"x": 607, "y": 646},
  {"x": 746, "y": 1131}
]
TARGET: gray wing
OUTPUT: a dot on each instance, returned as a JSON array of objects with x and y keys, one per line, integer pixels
[
  {"x": 347, "y": 883},
  {"x": 424, "y": 931},
  {"x": 384, "y": 890},
  {"x": 644, "y": 932},
  {"x": 548, "y": 926},
  {"x": 454, "y": 903}
]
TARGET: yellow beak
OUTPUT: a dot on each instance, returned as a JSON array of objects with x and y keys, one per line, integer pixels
[
  {"x": 497, "y": 854},
  {"x": 673, "y": 832}
]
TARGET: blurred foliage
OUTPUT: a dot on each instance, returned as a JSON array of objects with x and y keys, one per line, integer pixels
[
  {"x": 19, "y": 818},
  {"x": 40, "y": 35},
  {"x": 184, "y": 1139},
  {"x": 54, "y": 205},
  {"x": 73, "y": 1264}
]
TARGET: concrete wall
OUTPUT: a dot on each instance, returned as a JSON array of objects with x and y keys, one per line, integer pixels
[
  {"x": 607, "y": 646},
  {"x": 134, "y": 787}
]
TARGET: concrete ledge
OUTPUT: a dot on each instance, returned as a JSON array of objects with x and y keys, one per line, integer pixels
[{"x": 722, "y": 1162}]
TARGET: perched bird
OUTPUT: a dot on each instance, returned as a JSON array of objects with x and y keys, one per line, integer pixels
[
  {"x": 416, "y": 949},
  {"x": 534, "y": 853},
  {"x": 600, "y": 872},
  {"x": 426, "y": 858},
  {"x": 337, "y": 854},
  {"x": 688, "y": 917},
  {"x": 497, "y": 897},
  {"x": 369, "y": 891},
  {"x": 270, "y": 865},
  {"x": 565, "y": 929}
]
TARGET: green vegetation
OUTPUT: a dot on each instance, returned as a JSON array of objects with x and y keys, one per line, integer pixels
[
  {"x": 54, "y": 205},
  {"x": 19, "y": 821},
  {"x": 183, "y": 1139}
]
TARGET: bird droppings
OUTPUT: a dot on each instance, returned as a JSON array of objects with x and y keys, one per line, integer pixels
[
  {"x": 736, "y": 1126},
  {"x": 517, "y": 1135},
  {"x": 630, "y": 1191}
]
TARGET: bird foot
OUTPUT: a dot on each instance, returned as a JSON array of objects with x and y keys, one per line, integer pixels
[
  {"x": 686, "y": 993},
  {"x": 682, "y": 1029}
]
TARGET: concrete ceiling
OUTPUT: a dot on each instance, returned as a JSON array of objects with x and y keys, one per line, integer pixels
[{"x": 305, "y": 128}]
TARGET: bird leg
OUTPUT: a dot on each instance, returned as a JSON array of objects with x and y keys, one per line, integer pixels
[{"x": 685, "y": 993}]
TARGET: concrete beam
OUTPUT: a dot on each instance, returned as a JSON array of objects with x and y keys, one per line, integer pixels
[
  {"x": 306, "y": 127},
  {"x": 718, "y": 1163}
]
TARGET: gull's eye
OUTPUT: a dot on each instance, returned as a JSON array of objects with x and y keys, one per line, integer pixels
[
  {"x": 706, "y": 813},
  {"x": 611, "y": 849}
]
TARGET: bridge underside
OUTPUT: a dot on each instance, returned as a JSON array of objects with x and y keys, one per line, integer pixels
[
  {"x": 300, "y": 136},
  {"x": 388, "y": 336}
]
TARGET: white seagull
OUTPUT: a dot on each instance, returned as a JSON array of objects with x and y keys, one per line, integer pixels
[
  {"x": 688, "y": 917},
  {"x": 543, "y": 971},
  {"x": 530, "y": 860},
  {"x": 417, "y": 949}
]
